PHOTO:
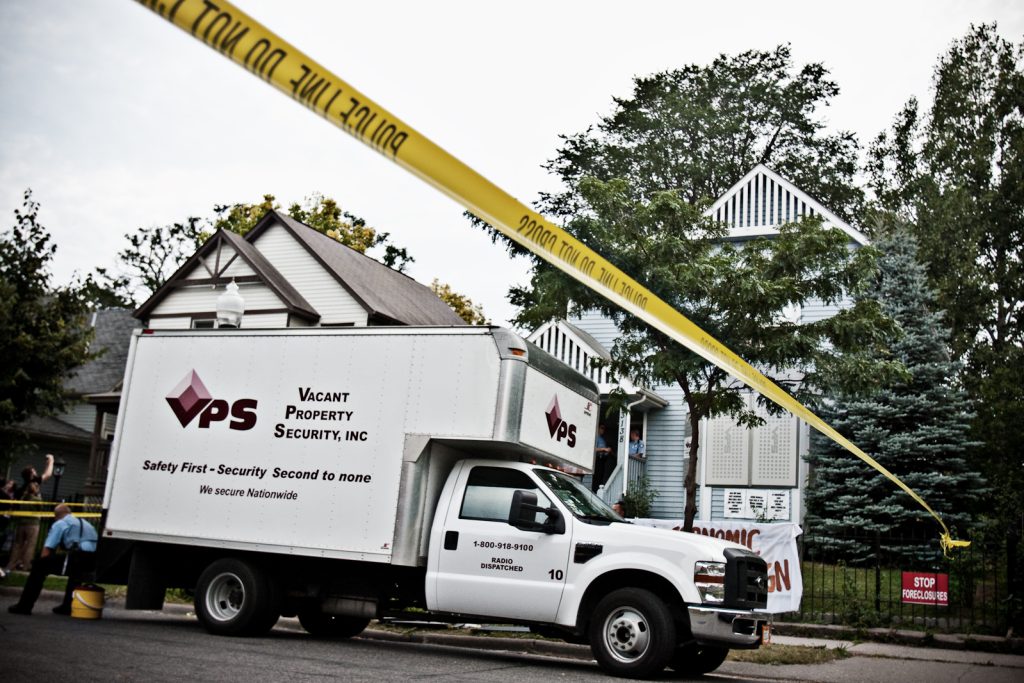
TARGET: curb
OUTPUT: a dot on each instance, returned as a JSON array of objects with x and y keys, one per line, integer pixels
[
  {"x": 917, "y": 639},
  {"x": 482, "y": 642},
  {"x": 921, "y": 639}
]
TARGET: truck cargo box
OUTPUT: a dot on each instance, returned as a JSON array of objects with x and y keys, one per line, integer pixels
[{"x": 323, "y": 442}]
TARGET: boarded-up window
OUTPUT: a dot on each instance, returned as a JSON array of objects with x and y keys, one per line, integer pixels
[{"x": 763, "y": 456}]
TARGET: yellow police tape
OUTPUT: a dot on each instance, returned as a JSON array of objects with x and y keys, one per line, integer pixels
[
  {"x": 47, "y": 515},
  {"x": 47, "y": 502},
  {"x": 239, "y": 37}
]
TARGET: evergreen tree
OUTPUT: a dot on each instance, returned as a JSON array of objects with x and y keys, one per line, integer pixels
[
  {"x": 917, "y": 427},
  {"x": 954, "y": 168}
]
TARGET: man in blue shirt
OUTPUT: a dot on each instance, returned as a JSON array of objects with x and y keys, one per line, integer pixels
[
  {"x": 602, "y": 459},
  {"x": 76, "y": 538},
  {"x": 636, "y": 444}
]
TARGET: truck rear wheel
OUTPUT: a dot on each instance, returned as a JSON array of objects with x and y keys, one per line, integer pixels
[
  {"x": 697, "y": 660},
  {"x": 632, "y": 633},
  {"x": 236, "y": 598},
  {"x": 323, "y": 625}
]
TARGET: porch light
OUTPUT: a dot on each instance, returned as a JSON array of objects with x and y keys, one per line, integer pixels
[{"x": 230, "y": 307}]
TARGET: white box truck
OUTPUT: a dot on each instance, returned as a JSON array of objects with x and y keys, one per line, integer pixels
[{"x": 342, "y": 475}]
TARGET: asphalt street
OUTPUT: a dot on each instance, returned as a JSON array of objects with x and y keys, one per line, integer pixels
[{"x": 170, "y": 645}]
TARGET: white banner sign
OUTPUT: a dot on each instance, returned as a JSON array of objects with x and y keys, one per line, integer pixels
[{"x": 775, "y": 543}]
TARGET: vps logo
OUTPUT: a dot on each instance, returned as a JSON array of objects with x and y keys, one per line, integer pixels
[
  {"x": 191, "y": 398},
  {"x": 559, "y": 428}
]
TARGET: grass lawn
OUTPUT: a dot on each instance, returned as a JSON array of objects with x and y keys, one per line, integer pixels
[
  {"x": 788, "y": 654},
  {"x": 59, "y": 583}
]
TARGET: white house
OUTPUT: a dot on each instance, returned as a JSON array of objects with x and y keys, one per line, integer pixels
[
  {"x": 742, "y": 473},
  {"x": 291, "y": 275},
  {"x": 288, "y": 275}
]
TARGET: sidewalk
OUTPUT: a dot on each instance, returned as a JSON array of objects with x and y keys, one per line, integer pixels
[{"x": 908, "y": 646}]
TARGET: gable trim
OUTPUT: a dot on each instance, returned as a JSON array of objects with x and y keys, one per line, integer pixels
[
  {"x": 213, "y": 314},
  {"x": 294, "y": 304},
  {"x": 813, "y": 207},
  {"x": 273, "y": 218}
]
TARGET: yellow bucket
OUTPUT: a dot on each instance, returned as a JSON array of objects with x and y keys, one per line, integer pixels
[{"x": 87, "y": 602}]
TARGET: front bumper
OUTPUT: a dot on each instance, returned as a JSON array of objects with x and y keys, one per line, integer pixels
[{"x": 734, "y": 628}]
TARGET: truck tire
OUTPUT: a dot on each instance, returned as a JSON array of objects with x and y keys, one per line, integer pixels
[
  {"x": 697, "y": 660},
  {"x": 236, "y": 598},
  {"x": 632, "y": 633},
  {"x": 322, "y": 625}
]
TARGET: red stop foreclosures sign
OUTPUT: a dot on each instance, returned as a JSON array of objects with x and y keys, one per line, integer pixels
[{"x": 925, "y": 589}]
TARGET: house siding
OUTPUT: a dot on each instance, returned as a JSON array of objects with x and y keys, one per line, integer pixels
[
  {"x": 667, "y": 429},
  {"x": 72, "y": 482},
  {"x": 256, "y": 321},
  {"x": 204, "y": 298},
  {"x": 170, "y": 323},
  {"x": 81, "y": 415},
  {"x": 816, "y": 309},
  {"x": 329, "y": 298},
  {"x": 599, "y": 327}
]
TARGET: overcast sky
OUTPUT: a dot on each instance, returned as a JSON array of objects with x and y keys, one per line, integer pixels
[{"x": 116, "y": 119}]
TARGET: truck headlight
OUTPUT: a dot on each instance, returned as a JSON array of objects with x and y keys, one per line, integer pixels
[{"x": 709, "y": 578}]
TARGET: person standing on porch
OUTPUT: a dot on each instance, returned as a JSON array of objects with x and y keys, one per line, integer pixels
[
  {"x": 602, "y": 459},
  {"x": 636, "y": 444}
]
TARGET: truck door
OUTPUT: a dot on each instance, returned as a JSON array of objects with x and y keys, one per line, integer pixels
[{"x": 488, "y": 567}]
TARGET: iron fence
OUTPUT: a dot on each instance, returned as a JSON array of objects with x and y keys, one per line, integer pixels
[{"x": 857, "y": 581}]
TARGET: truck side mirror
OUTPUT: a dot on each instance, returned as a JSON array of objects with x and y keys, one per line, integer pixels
[{"x": 522, "y": 514}]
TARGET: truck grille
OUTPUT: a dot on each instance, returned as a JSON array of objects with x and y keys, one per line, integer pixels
[{"x": 746, "y": 580}]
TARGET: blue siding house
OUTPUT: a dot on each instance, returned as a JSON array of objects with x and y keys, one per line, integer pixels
[{"x": 742, "y": 473}]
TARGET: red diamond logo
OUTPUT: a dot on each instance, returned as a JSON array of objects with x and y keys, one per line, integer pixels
[
  {"x": 188, "y": 398},
  {"x": 554, "y": 414}
]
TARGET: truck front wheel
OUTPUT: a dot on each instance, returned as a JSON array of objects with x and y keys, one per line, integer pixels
[
  {"x": 236, "y": 598},
  {"x": 322, "y": 625},
  {"x": 697, "y": 660},
  {"x": 632, "y": 633}
]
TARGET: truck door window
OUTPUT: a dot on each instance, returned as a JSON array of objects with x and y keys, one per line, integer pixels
[
  {"x": 489, "y": 493},
  {"x": 578, "y": 498}
]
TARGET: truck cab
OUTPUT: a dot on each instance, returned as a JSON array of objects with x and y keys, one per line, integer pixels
[{"x": 534, "y": 545}]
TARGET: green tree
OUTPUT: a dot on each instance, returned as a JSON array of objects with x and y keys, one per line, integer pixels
[
  {"x": 918, "y": 427},
  {"x": 101, "y": 289},
  {"x": 955, "y": 172},
  {"x": 699, "y": 129},
  {"x": 634, "y": 187},
  {"x": 151, "y": 257},
  {"x": 736, "y": 293},
  {"x": 43, "y": 330},
  {"x": 460, "y": 303}
]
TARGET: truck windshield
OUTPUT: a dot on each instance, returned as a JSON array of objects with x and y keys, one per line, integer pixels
[{"x": 577, "y": 497}]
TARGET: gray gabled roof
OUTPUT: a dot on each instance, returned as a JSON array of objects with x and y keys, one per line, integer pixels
[
  {"x": 45, "y": 426},
  {"x": 271, "y": 276},
  {"x": 388, "y": 296},
  {"x": 112, "y": 333},
  {"x": 265, "y": 271}
]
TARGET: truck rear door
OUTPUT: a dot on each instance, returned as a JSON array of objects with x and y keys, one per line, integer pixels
[{"x": 487, "y": 567}]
